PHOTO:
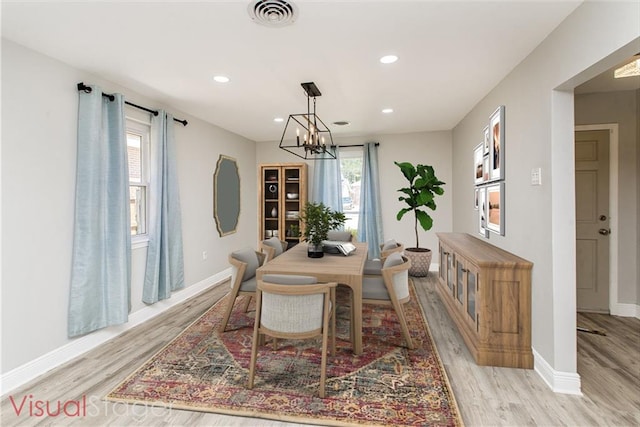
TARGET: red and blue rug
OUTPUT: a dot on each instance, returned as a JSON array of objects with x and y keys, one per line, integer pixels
[{"x": 206, "y": 370}]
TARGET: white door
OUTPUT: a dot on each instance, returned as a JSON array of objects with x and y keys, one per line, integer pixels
[{"x": 592, "y": 220}]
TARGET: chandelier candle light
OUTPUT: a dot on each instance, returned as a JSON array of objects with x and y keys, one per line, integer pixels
[{"x": 317, "y": 142}]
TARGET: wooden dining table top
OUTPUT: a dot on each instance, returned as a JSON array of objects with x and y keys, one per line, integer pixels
[{"x": 334, "y": 268}]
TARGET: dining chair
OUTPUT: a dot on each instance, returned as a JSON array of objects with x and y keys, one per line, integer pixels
[
  {"x": 273, "y": 247},
  {"x": 339, "y": 236},
  {"x": 374, "y": 266},
  {"x": 244, "y": 263},
  {"x": 294, "y": 307},
  {"x": 391, "y": 288}
]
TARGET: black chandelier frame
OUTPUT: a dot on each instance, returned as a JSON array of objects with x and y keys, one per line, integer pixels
[{"x": 316, "y": 142}]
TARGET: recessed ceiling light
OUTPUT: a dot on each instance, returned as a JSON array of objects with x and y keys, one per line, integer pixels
[
  {"x": 278, "y": 120},
  {"x": 221, "y": 79},
  {"x": 387, "y": 110},
  {"x": 342, "y": 123},
  {"x": 388, "y": 59}
]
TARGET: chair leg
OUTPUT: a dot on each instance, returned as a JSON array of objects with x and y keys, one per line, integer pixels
[
  {"x": 254, "y": 346},
  {"x": 227, "y": 314},
  {"x": 403, "y": 323},
  {"x": 254, "y": 357},
  {"x": 246, "y": 304},
  {"x": 323, "y": 363}
]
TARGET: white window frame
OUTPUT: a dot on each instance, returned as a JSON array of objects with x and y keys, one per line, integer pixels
[
  {"x": 352, "y": 153},
  {"x": 142, "y": 128}
]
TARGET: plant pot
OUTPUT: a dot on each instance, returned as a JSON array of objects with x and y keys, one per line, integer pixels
[
  {"x": 420, "y": 261},
  {"x": 315, "y": 251}
]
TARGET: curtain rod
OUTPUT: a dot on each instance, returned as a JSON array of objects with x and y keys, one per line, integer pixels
[
  {"x": 354, "y": 145},
  {"x": 87, "y": 89}
]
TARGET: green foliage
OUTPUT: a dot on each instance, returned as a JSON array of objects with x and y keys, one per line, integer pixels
[
  {"x": 319, "y": 220},
  {"x": 419, "y": 195},
  {"x": 351, "y": 169}
]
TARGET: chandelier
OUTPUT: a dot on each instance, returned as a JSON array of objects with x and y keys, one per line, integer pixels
[{"x": 305, "y": 135}]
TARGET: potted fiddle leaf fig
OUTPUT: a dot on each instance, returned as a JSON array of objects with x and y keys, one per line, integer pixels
[
  {"x": 318, "y": 221},
  {"x": 419, "y": 197}
]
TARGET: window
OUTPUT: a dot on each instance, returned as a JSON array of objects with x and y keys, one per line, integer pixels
[
  {"x": 138, "y": 154},
  {"x": 351, "y": 170}
]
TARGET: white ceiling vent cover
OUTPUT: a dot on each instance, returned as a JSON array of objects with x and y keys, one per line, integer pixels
[{"x": 273, "y": 13}]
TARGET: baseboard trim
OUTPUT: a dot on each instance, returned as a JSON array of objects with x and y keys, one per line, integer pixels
[
  {"x": 559, "y": 382},
  {"x": 33, "y": 369},
  {"x": 626, "y": 310}
]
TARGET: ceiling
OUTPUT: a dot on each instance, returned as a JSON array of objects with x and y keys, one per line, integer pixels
[
  {"x": 451, "y": 54},
  {"x": 605, "y": 82}
]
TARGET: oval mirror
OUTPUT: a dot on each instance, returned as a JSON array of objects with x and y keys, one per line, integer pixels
[{"x": 226, "y": 195}]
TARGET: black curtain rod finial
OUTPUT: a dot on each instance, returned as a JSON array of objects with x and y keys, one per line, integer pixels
[{"x": 83, "y": 87}]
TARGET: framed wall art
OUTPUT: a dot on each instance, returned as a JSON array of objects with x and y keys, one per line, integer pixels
[
  {"x": 495, "y": 207},
  {"x": 489, "y": 176},
  {"x": 487, "y": 140},
  {"x": 496, "y": 149},
  {"x": 482, "y": 211},
  {"x": 478, "y": 164},
  {"x": 485, "y": 168}
]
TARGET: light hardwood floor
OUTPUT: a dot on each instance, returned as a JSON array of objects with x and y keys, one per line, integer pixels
[{"x": 486, "y": 396}]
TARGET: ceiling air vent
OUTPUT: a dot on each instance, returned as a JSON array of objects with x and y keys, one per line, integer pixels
[{"x": 273, "y": 13}]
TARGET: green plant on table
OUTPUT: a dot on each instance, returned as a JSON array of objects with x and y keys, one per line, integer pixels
[{"x": 319, "y": 220}]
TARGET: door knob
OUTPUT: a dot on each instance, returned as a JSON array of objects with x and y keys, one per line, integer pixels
[{"x": 604, "y": 231}]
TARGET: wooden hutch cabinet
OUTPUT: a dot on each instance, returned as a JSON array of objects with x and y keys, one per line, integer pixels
[
  {"x": 487, "y": 292},
  {"x": 282, "y": 195}
]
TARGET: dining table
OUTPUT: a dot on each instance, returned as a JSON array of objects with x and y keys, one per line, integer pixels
[{"x": 345, "y": 270}]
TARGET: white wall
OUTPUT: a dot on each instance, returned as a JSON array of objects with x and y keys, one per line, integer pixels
[
  {"x": 620, "y": 107},
  {"x": 431, "y": 148},
  {"x": 39, "y": 118},
  {"x": 540, "y": 220}
]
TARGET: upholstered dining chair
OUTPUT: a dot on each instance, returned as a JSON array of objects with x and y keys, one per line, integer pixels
[
  {"x": 294, "y": 307},
  {"x": 392, "y": 288},
  {"x": 273, "y": 247},
  {"x": 374, "y": 266},
  {"x": 244, "y": 263},
  {"x": 339, "y": 236}
]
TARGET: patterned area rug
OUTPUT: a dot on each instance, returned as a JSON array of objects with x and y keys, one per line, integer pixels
[{"x": 205, "y": 370}]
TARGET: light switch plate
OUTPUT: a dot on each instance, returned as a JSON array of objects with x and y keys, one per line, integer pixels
[{"x": 536, "y": 176}]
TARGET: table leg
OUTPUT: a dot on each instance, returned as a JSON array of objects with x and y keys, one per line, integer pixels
[{"x": 357, "y": 318}]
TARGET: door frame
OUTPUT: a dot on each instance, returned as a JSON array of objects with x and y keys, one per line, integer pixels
[{"x": 614, "y": 308}]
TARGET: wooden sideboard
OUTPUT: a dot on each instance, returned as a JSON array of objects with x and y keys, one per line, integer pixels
[{"x": 487, "y": 292}]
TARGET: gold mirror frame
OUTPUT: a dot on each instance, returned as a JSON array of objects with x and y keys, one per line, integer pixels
[{"x": 226, "y": 195}]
